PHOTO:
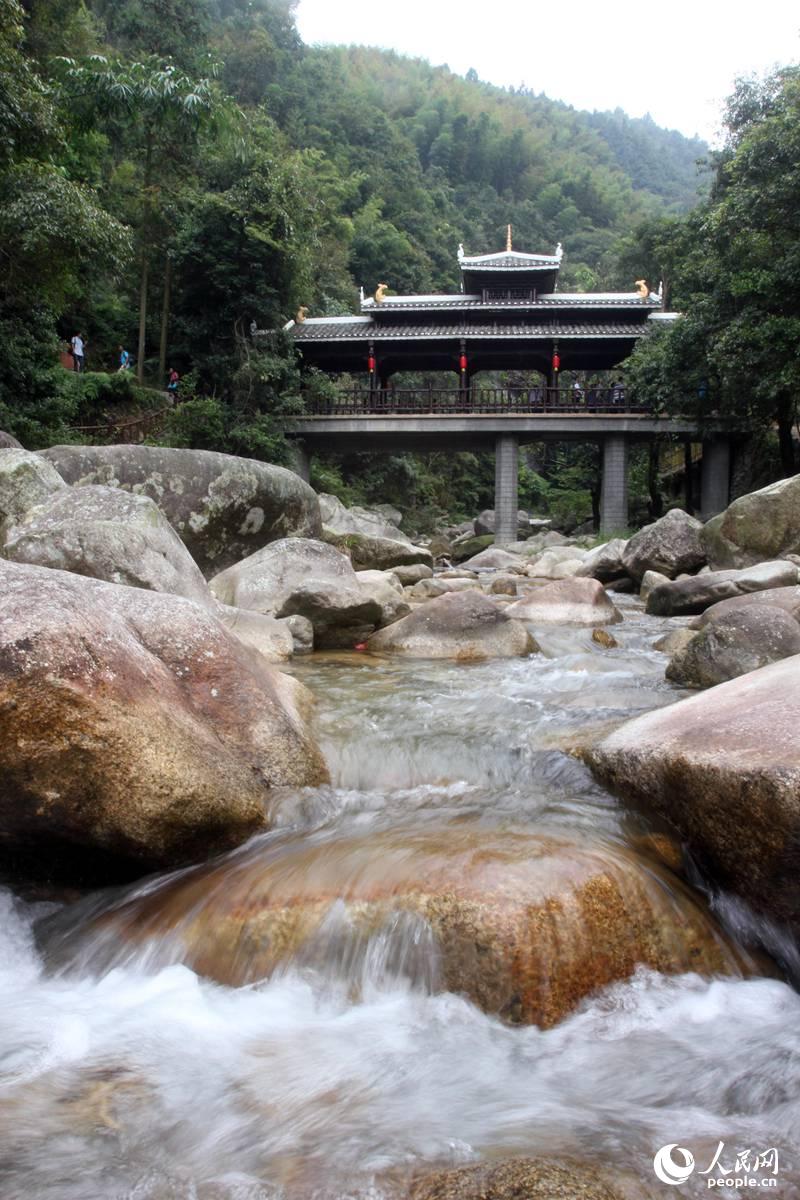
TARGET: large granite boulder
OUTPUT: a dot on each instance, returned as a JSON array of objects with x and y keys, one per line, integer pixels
[
  {"x": 733, "y": 643},
  {"x": 762, "y": 525},
  {"x": 269, "y": 636},
  {"x": 337, "y": 518},
  {"x": 566, "y": 602},
  {"x": 485, "y": 522},
  {"x": 492, "y": 559},
  {"x": 672, "y": 545},
  {"x": 9, "y": 442},
  {"x": 412, "y": 574},
  {"x": 304, "y": 577},
  {"x": 525, "y": 924},
  {"x": 370, "y": 553},
  {"x": 107, "y": 534},
  {"x": 135, "y": 728},
  {"x": 604, "y": 562},
  {"x": 463, "y": 625},
  {"x": 687, "y": 597},
  {"x": 785, "y": 598},
  {"x": 386, "y": 590},
  {"x": 724, "y": 768},
  {"x": 468, "y": 547},
  {"x": 25, "y": 480},
  {"x": 519, "y": 1179},
  {"x": 222, "y": 507}
]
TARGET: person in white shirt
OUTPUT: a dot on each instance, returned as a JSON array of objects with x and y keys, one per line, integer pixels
[{"x": 78, "y": 352}]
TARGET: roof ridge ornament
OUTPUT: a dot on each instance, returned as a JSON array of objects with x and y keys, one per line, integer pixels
[
  {"x": 460, "y": 251},
  {"x": 559, "y": 254},
  {"x": 508, "y": 238}
]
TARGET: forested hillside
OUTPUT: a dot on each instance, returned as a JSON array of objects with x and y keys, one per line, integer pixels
[{"x": 172, "y": 170}]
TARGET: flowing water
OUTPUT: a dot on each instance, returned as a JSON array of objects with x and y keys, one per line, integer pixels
[{"x": 350, "y": 1070}]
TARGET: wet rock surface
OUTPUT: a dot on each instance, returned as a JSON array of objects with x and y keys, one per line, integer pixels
[
  {"x": 566, "y": 602},
  {"x": 724, "y": 768},
  {"x": 463, "y": 625},
  {"x": 733, "y": 643},
  {"x": 135, "y": 725},
  {"x": 525, "y": 925}
]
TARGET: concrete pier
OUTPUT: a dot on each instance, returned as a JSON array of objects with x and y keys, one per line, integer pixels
[
  {"x": 301, "y": 461},
  {"x": 715, "y": 476},
  {"x": 614, "y": 489},
  {"x": 506, "y": 499}
]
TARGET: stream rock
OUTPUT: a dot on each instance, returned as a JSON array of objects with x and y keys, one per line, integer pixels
[
  {"x": 518, "y": 1179},
  {"x": 222, "y": 507},
  {"x": 687, "y": 597},
  {"x": 370, "y": 553},
  {"x": 566, "y": 602},
  {"x": 604, "y": 562},
  {"x": 300, "y": 576},
  {"x": 9, "y": 442},
  {"x": 733, "y": 643},
  {"x": 466, "y": 626},
  {"x": 724, "y": 768},
  {"x": 386, "y": 590},
  {"x": 337, "y": 518},
  {"x": 671, "y": 545},
  {"x": 786, "y": 598},
  {"x": 25, "y": 480},
  {"x": 524, "y": 924},
  {"x": 109, "y": 534},
  {"x": 135, "y": 727},
  {"x": 485, "y": 522},
  {"x": 413, "y": 573},
  {"x": 492, "y": 558},
  {"x": 762, "y": 525},
  {"x": 270, "y": 637}
]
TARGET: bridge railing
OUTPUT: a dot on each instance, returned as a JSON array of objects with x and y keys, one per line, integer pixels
[{"x": 472, "y": 401}]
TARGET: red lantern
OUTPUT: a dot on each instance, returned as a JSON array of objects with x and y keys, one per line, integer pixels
[
  {"x": 556, "y": 361},
  {"x": 462, "y": 362},
  {"x": 371, "y": 363}
]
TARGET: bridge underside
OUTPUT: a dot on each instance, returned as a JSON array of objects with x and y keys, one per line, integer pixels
[{"x": 614, "y": 433}]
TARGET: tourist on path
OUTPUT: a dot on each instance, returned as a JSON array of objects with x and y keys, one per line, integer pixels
[
  {"x": 124, "y": 360},
  {"x": 78, "y": 352}
]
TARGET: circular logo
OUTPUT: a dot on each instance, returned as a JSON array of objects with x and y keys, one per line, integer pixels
[{"x": 670, "y": 1171}]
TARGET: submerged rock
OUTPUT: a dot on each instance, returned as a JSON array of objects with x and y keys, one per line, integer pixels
[
  {"x": 526, "y": 925},
  {"x": 134, "y": 725},
  {"x": 303, "y": 577},
  {"x": 566, "y": 602},
  {"x": 724, "y": 768},
  {"x": 222, "y": 507},
  {"x": 671, "y": 545},
  {"x": 464, "y": 625},
  {"x": 517, "y": 1179},
  {"x": 733, "y": 643},
  {"x": 107, "y": 534}
]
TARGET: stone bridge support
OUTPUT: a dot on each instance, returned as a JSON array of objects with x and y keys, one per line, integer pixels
[
  {"x": 614, "y": 487},
  {"x": 506, "y": 499},
  {"x": 301, "y": 461},
  {"x": 715, "y": 477}
]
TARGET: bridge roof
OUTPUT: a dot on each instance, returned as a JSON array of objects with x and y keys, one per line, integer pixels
[
  {"x": 510, "y": 260},
  {"x": 340, "y": 329},
  {"x": 475, "y": 301}
]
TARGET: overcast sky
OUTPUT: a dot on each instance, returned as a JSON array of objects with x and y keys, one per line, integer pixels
[{"x": 675, "y": 60}]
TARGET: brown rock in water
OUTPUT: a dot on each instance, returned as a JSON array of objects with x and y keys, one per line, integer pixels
[
  {"x": 517, "y": 1179},
  {"x": 464, "y": 625},
  {"x": 134, "y": 725},
  {"x": 567, "y": 602},
  {"x": 602, "y": 638},
  {"x": 525, "y": 925},
  {"x": 723, "y": 768},
  {"x": 732, "y": 644}
]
